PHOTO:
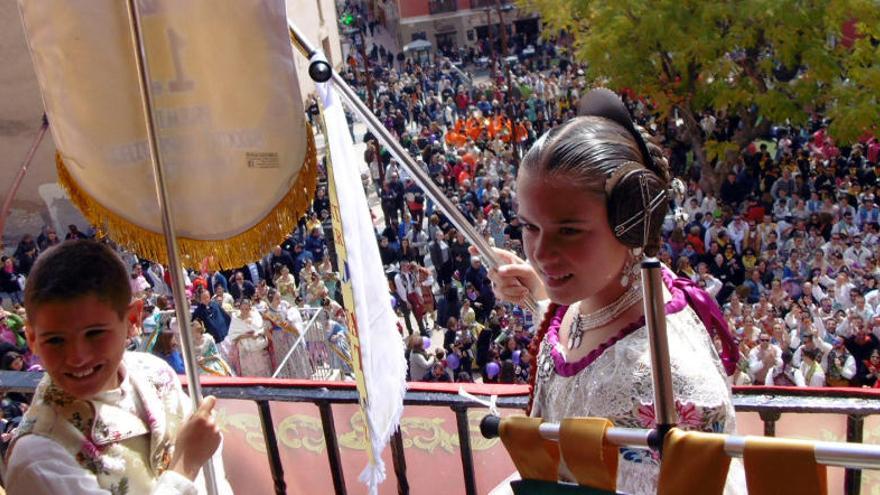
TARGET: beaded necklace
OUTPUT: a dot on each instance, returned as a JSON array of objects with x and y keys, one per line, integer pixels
[{"x": 583, "y": 323}]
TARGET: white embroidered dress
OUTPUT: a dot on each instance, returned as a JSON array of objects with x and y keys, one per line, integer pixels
[{"x": 615, "y": 382}]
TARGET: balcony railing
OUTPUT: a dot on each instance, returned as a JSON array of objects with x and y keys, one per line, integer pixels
[{"x": 771, "y": 404}]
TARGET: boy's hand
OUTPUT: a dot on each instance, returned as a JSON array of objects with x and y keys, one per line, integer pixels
[{"x": 196, "y": 441}]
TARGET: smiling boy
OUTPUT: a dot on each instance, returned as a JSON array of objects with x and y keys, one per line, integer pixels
[{"x": 102, "y": 420}]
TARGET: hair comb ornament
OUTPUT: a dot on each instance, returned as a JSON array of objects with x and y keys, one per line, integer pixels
[
  {"x": 638, "y": 192},
  {"x": 602, "y": 102}
]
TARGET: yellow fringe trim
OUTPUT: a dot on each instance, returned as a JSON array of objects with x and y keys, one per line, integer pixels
[{"x": 234, "y": 252}]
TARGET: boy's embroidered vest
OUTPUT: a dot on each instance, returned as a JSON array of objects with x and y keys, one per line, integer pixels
[{"x": 96, "y": 433}]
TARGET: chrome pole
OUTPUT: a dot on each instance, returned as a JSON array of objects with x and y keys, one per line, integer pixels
[
  {"x": 417, "y": 173},
  {"x": 655, "y": 321},
  {"x": 180, "y": 305},
  {"x": 838, "y": 454},
  {"x": 296, "y": 344}
]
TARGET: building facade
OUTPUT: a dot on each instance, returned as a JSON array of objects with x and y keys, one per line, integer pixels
[
  {"x": 453, "y": 24},
  {"x": 317, "y": 20}
]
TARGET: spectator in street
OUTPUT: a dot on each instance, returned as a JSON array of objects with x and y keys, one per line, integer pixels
[
  {"x": 26, "y": 254},
  {"x": 762, "y": 358},
  {"x": 10, "y": 283},
  {"x": 73, "y": 233},
  {"x": 420, "y": 362},
  {"x": 408, "y": 290},
  {"x": 241, "y": 288},
  {"x": 214, "y": 317}
]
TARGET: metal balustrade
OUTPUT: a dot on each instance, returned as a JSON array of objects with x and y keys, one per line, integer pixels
[{"x": 769, "y": 402}]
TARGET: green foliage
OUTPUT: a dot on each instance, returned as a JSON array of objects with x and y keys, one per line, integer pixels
[
  {"x": 764, "y": 60},
  {"x": 720, "y": 149}
]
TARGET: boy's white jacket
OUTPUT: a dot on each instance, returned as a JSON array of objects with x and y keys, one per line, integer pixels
[{"x": 119, "y": 442}]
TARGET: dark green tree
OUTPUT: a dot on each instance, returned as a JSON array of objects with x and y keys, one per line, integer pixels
[{"x": 763, "y": 61}]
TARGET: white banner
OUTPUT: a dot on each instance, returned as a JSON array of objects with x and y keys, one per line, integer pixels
[{"x": 381, "y": 346}]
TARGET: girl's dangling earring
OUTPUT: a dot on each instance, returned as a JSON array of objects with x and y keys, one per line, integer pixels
[
  {"x": 627, "y": 269},
  {"x": 637, "y": 266},
  {"x": 631, "y": 268}
]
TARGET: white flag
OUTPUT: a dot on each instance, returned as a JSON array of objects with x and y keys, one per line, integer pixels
[{"x": 381, "y": 347}]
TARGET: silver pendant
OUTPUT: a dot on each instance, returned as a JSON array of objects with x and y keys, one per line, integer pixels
[
  {"x": 575, "y": 333},
  {"x": 547, "y": 369}
]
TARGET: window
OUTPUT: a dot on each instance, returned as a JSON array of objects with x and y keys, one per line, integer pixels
[
  {"x": 446, "y": 41},
  {"x": 441, "y": 6},
  {"x": 481, "y": 4}
]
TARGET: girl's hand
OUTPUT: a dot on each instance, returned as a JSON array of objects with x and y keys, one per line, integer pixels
[{"x": 515, "y": 279}]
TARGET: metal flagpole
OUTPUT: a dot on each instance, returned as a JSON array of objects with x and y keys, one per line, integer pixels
[
  {"x": 13, "y": 189},
  {"x": 417, "y": 173},
  {"x": 839, "y": 454},
  {"x": 177, "y": 285},
  {"x": 655, "y": 320}
]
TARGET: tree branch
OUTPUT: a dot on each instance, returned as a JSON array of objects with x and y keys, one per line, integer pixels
[{"x": 748, "y": 63}]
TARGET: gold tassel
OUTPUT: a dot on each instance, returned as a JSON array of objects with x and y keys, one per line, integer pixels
[{"x": 236, "y": 251}]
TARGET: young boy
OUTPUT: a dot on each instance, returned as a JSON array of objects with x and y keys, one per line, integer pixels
[{"x": 103, "y": 420}]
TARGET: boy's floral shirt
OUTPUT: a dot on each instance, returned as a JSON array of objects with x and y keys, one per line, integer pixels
[{"x": 103, "y": 437}]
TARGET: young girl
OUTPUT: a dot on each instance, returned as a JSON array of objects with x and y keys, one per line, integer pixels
[
  {"x": 305, "y": 276},
  {"x": 315, "y": 289},
  {"x": 78, "y": 299},
  {"x": 330, "y": 278},
  {"x": 207, "y": 354},
  {"x": 578, "y": 190},
  {"x": 167, "y": 348},
  {"x": 12, "y": 361},
  {"x": 286, "y": 285}
]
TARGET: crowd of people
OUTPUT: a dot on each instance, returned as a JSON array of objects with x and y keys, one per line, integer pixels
[
  {"x": 229, "y": 308},
  {"x": 787, "y": 244}
]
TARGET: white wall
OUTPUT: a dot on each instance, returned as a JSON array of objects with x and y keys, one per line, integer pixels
[
  {"x": 21, "y": 111},
  {"x": 319, "y": 25}
]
